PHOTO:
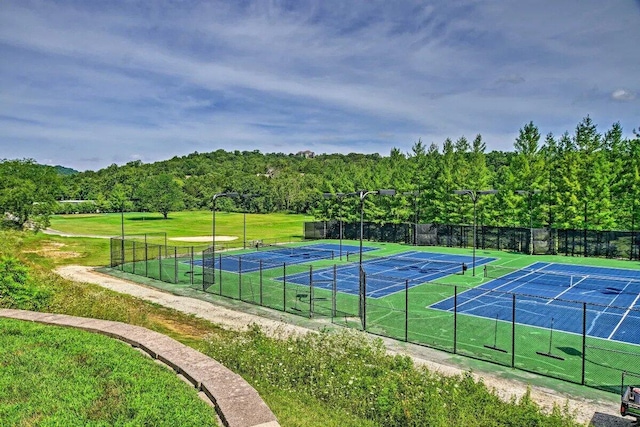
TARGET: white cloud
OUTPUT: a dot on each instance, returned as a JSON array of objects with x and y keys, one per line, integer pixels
[
  {"x": 623, "y": 95},
  {"x": 81, "y": 81}
]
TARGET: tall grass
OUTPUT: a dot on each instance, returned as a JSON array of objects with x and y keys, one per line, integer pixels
[{"x": 347, "y": 370}]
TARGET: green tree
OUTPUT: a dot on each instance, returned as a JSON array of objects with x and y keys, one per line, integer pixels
[
  {"x": 162, "y": 194},
  {"x": 28, "y": 192}
]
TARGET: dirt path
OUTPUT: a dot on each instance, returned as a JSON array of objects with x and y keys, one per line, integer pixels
[
  {"x": 601, "y": 410},
  {"x": 63, "y": 234}
]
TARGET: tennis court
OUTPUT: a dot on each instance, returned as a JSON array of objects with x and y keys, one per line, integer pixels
[
  {"x": 276, "y": 256},
  {"x": 612, "y": 295},
  {"x": 388, "y": 275}
]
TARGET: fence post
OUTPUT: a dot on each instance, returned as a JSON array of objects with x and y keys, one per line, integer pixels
[
  {"x": 406, "y": 311},
  {"x": 364, "y": 300},
  {"x": 240, "y": 278},
  {"x": 310, "y": 291},
  {"x": 284, "y": 286},
  {"x": 160, "y": 262},
  {"x": 219, "y": 271},
  {"x": 261, "y": 304},
  {"x": 334, "y": 293},
  {"x": 204, "y": 258},
  {"x": 455, "y": 320},
  {"x": 513, "y": 330},
  {"x": 146, "y": 258},
  {"x": 192, "y": 266},
  {"x": 584, "y": 339},
  {"x": 175, "y": 263},
  {"x": 134, "y": 257}
]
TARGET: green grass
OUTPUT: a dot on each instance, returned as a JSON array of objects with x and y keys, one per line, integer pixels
[
  {"x": 61, "y": 376},
  {"x": 185, "y": 224}
]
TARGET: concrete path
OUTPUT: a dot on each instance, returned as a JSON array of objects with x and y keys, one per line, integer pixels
[{"x": 236, "y": 402}]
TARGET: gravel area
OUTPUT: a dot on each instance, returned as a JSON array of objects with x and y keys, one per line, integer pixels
[{"x": 600, "y": 410}]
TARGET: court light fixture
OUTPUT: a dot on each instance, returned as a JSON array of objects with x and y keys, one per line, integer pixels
[{"x": 362, "y": 291}]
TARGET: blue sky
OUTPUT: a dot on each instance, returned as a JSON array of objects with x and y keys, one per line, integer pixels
[{"x": 87, "y": 83}]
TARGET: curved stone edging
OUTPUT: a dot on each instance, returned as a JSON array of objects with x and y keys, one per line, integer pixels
[{"x": 236, "y": 402}]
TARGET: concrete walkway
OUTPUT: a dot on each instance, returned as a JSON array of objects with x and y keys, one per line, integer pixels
[{"x": 236, "y": 402}]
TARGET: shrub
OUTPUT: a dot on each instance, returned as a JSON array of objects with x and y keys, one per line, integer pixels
[
  {"x": 347, "y": 370},
  {"x": 17, "y": 290}
]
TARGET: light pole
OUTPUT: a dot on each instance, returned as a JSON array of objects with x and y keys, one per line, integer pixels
[
  {"x": 529, "y": 196},
  {"x": 213, "y": 237},
  {"x": 474, "y": 194},
  {"x": 362, "y": 194},
  {"x": 362, "y": 291}
]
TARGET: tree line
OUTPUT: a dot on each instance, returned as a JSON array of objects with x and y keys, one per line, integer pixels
[{"x": 584, "y": 179}]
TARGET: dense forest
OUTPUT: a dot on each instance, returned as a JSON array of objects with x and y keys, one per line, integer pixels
[{"x": 585, "y": 179}]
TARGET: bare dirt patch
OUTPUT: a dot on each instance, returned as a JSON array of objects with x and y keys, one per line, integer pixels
[
  {"x": 599, "y": 412},
  {"x": 204, "y": 238},
  {"x": 53, "y": 250}
]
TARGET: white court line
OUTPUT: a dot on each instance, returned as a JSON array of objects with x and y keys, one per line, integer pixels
[
  {"x": 566, "y": 290},
  {"x": 624, "y": 316},
  {"x": 493, "y": 289}
]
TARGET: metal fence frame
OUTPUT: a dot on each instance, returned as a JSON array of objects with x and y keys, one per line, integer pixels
[{"x": 270, "y": 285}]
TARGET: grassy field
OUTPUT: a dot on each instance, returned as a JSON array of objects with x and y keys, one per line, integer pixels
[
  {"x": 61, "y": 376},
  {"x": 185, "y": 224}
]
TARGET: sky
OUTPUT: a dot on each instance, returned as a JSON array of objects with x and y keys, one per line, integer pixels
[{"x": 86, "y": 84}]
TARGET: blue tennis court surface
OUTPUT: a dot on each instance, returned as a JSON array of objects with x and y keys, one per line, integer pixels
[
  {"x": 387, "y": 275},
  {"x": 277, "y": 256},
  {"x": 557, "y": 291}
]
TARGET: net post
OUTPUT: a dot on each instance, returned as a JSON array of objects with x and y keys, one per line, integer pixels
[
  {"x": 310, "y": 291},
  {"x": 584, "y": 339},
  {"x": 406, "y": 311},
  {"x": 455, "y": 319},
  {"x": 240, "y": 278},
  {"x": 260, "y": 266},
  {"x": 513, "y": 330},
  {"x": 284, "y": 286},
  {"x": 334, "y": 292}
]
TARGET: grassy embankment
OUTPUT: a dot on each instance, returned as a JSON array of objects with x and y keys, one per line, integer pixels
[{"x": 327, "y": 379}]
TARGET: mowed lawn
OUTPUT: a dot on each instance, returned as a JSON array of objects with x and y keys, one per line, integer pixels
[
  {"x": 60, "y": 376},
  {"x": 186, "y": 224}
]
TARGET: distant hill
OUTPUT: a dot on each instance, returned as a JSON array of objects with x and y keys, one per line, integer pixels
[{"x": 61, "y": 170}]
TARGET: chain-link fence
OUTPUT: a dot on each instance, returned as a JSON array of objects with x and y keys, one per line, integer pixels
[
  {"x": 610, "y": 244},
  {"x": 580, "y": 342}
]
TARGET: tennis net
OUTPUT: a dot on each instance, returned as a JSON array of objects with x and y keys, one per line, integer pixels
[
  {"x": 601, "y": 283},
  {"x": 298, "y": 251},
  {"x": 402, "y": 263}
]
